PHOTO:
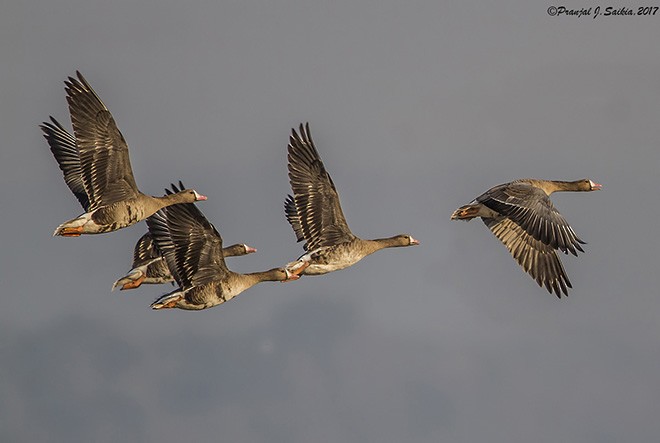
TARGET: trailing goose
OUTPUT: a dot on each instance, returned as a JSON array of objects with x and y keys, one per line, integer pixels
[{"x": 97, "y": 168}]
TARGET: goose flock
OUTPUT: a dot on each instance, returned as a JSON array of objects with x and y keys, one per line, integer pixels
[{"x": 183, "y": 247}]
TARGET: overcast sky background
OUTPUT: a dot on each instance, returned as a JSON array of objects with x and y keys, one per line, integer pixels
[{"x": 416, "y": 107}]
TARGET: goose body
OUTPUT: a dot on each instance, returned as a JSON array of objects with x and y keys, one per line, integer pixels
[
  {"x": 192, "y": 249},
  {"x": 149, "y": 266},
  {"x": 521, "y": 215},
  {"x": 97, "y": 168},
  {"x": 334, "y": 258},
  {"x": 314, "y": 212}
]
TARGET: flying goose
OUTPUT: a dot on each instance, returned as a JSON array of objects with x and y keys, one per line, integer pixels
[
  {"x": 192, "y": 249},
  {"x": 149, "y": 267},
  {"x": 315, "y": 215},
  {"x": 97, "y": 168},
  {"x": 521, "y": 216}
]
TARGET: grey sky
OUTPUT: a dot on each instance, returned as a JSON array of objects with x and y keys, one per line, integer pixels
[{"x": 416, "y": 107}]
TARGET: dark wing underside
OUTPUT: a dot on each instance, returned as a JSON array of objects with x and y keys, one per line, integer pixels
[
  {"x": 314, "y": 211},
  {"x": 145, "y": 250},
  {"x": 536, "y": 258},
  {"x": 293, "y": 218},
  {"x": 532, "y": 210},
  {"x": 191, "y": 245},
  {"x": 105, "y": 165},
  {"x": 63, "y": 146}
]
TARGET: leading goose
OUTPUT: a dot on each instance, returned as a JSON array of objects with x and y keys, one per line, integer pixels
[
  {"x": 97, "y": 167},
  {"x": 521, "y": 216},
  {"x": 315, "y": 215},
  {"x": 192, "y": 248}
]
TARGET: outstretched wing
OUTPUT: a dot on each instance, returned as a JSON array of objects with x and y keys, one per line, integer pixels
[
  {"x": 318, "y": 218},
  {"x": 104, "y": 162},
  {"x": 63, "y": 146},
  {"x": 536, "y": 258}
]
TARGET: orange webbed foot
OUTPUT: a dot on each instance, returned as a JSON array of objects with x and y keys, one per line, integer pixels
[
  {"x": 71, "y": 232},
  {"x": 169, "y": 305},
  {"x": 133, "y": 284},
  {"x": 295, "y": 274}
]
